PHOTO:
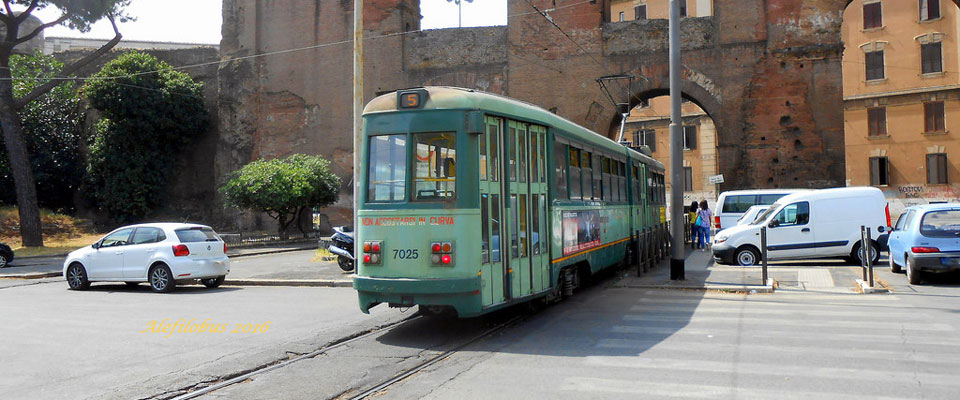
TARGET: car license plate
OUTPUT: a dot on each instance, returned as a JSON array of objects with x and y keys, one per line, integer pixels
[{"x": 950, "y": 260}]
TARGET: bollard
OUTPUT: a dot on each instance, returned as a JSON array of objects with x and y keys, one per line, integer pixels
[
  {"x": 866, "y": 252},
  {"x": 863, "y": 242},
  {"x": 763, "y": 255}
]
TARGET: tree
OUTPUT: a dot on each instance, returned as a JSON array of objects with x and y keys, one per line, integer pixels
[
  {"x": 283, "y": 188},
  {"x": 76, "y": 14},
  {"x": 150, "y": 113},
  {"x": 53, "y": 126}
]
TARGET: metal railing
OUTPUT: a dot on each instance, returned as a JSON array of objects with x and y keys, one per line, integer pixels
[{"x": 241, "y": 239}]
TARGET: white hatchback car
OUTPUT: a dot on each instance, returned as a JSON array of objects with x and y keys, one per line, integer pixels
[{"x": 160, "y": 254}]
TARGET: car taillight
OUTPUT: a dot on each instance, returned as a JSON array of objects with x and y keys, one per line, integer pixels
[
  {"x": 224, "y": 247},
  {"x": 887, "y": 210},
  {"x": 442, "y": 253},
  {"x": 924, "y": 249},
  {"x": 716, "y": 220},
  {"x": 181, "y": 250},
  {"x": 371, "y": 252}
]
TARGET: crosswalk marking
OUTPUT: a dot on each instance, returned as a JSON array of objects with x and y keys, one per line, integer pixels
[
  {"x": 657, "y": 389},
  {"x": 792, "y": 321},
  {"x": 815, "y": 278}
]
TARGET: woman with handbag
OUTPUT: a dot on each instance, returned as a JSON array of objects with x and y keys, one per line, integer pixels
[{"x": 704, "y": 216}]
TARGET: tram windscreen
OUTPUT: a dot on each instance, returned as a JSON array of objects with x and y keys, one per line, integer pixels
[
  {"x": 388, "y": 165},
  {"x": 435, "y": 168}
]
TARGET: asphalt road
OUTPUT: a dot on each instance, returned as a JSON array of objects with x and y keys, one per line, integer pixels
[
  {"x": 814, "y": 338},
  {"x": 56, "y": 343}
]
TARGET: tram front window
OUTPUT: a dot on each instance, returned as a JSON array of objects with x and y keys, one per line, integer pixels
[
  {"x": 387, "y": 174},
  {"x": 435, "y": 169}
]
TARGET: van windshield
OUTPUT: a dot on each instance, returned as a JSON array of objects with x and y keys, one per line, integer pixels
[{"x": 766, "y": 214}]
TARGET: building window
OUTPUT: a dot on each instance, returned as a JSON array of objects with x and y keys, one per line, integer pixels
[
  {"x": 683, "y": 8},
  {"x": 645, "y": 103},
  {"x": 640, "y": 12},
  {"x": 877, "y": 118},
  {"x": 872, "y": 16},
  {"x": 689, "y": 137},
  {"x": 879, "y": 171},
  {"x": 929, "y": 9},
  {"x": 621, "y": 16},
  {"x": 874, "y": 65},
  {"x": 646, "y": 137},
  {"x": 687, "y": 179},
  {"x": 933, "y": 117},
  {"x": 930, "y": 58},
  {"x": 937, "y": 169}
]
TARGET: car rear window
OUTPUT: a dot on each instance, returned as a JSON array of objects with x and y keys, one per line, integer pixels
[
  {"x": 738, "y": 204},
  {"x": 943, "y": 223},
  {"x": 197, "y": 234}
]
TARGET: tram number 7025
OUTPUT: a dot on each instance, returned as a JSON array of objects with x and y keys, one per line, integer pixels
[{"x": 405, "y": 254}]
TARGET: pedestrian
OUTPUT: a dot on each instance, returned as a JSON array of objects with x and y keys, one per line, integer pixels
[
  {"x": 705, "y": 216},
  {"x": 694, "y": 229}
]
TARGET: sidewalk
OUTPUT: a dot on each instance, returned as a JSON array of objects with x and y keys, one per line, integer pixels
[
  {"x": 700, "y": 274},
  {"x": 52, "y": 266}
]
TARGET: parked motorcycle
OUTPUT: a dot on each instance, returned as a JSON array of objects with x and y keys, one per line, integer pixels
[{"x": 343, "y": 247}]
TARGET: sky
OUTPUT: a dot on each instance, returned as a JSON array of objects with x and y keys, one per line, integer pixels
[{"x": 166, "y": 20}]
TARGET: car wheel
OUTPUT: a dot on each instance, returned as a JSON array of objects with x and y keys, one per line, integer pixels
[
  {"x": 77, "y": 277},
  {"x": 893, "y": 264},
  {"x": 132, "y": 284},
  {"x": 4, "y": 260},
  {"x": 161, "y": 279},
  {"x": 746, "y": 257},
  {"x": 213, "y": 282},
  {"x": 345, "y": 263},
  {"x": 856, "y": 255},
  {"x": 913, "y": 273}
]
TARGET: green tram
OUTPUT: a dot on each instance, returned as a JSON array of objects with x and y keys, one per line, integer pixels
[{"x": 447, "y": 172}]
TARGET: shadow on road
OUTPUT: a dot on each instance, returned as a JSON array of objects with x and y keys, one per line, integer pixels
[{"x": 143, "y": 287}]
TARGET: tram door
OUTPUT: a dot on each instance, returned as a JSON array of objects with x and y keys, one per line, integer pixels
[
  {"x": 539, "y": 253},
  {"x": 493, "y": 271},
  {"x": 517, "y": 162}
]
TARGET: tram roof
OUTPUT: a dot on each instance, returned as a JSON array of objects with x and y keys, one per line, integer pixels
[{"x": 454, "y": 98}]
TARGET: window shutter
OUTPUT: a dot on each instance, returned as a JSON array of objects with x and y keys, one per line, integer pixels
[
  {"x": 924, "y": 14},
  {"x": 874, "y": 171}
]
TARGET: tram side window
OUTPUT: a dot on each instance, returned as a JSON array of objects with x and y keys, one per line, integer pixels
[
  {"x": 495, "y": 228},
  {"x": 386, "y": 180},
  {"x": 597, "y": 193},
  {"x": 493, "y": 131},
  {"x": 622, "y": 180},
  {"x": 522, "y": 153},
  {"x": 560, "y": 169},
  {"x": 485, "y": 229},
  {"x": 575, "y": 191},
  {"x": 482, "y": 145},
  {"x": 435, "y": 169},
  {"x": 587, "y": 172},
  {"x": 606, "y": 179},
  {"x": 534, "y": 158}
]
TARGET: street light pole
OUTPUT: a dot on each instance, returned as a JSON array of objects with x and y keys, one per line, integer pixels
[
  {"x": 676, "y": 148},
  {"x": 357, "y": 106}
]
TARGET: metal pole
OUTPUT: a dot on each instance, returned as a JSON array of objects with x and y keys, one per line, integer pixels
[
  {"x": 763, "y": 254},
  {"x": 676, "y": 147},
  {"x": 863, "y": 263},
  {"x": 357, "y": 107},
  {"x": 868, "y": 252}
]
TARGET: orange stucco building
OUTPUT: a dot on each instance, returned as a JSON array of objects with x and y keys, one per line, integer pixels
[
  {"x": 901, "y": 92},
  {"x": 649, "y": 124},
  {"x": 629, "y": 10}
]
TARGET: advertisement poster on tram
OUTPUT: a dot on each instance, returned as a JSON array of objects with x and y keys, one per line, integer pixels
[{"x": 581, "y": 230}]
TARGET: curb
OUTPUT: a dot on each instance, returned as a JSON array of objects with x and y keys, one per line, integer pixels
[
  {"x": 864, "y": 288},
  {"x": 271, "y": 252},
  {"x": 770, "y": 287},
  {"x": 35, "y": 275},
  {"x": 289, "y": 282}
]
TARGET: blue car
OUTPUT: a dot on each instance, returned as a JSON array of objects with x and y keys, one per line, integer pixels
[{"x": 926, "y": 238}]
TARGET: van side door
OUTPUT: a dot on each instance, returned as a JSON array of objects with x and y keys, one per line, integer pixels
[{"x": 790, "y": 233}]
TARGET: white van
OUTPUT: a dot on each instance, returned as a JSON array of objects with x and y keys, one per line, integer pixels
[
  {"x": 811, "y": 224},
  {"x": 732, "y": 204}
]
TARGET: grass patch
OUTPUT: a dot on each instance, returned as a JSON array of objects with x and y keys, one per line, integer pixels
[
  {"x": 61, "y": 233},
  {"x": 322, "y": 255}
]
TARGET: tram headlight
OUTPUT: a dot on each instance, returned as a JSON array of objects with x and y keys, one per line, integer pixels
[
  {"x": 442, "y": 253},
  {"x": 371, "y": 252}
]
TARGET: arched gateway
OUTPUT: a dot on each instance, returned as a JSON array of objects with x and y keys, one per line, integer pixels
[{"x": 770, "y": 77}]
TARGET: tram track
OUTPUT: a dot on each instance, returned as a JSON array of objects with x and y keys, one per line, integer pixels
[
  {"x": 435, "y": 359},
  {"x": 366, "y": 390},
  {"x": 274, "y": 366}
]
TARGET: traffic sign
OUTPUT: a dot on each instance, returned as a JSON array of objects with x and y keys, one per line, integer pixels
[{"x": 716, "y": 179}]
